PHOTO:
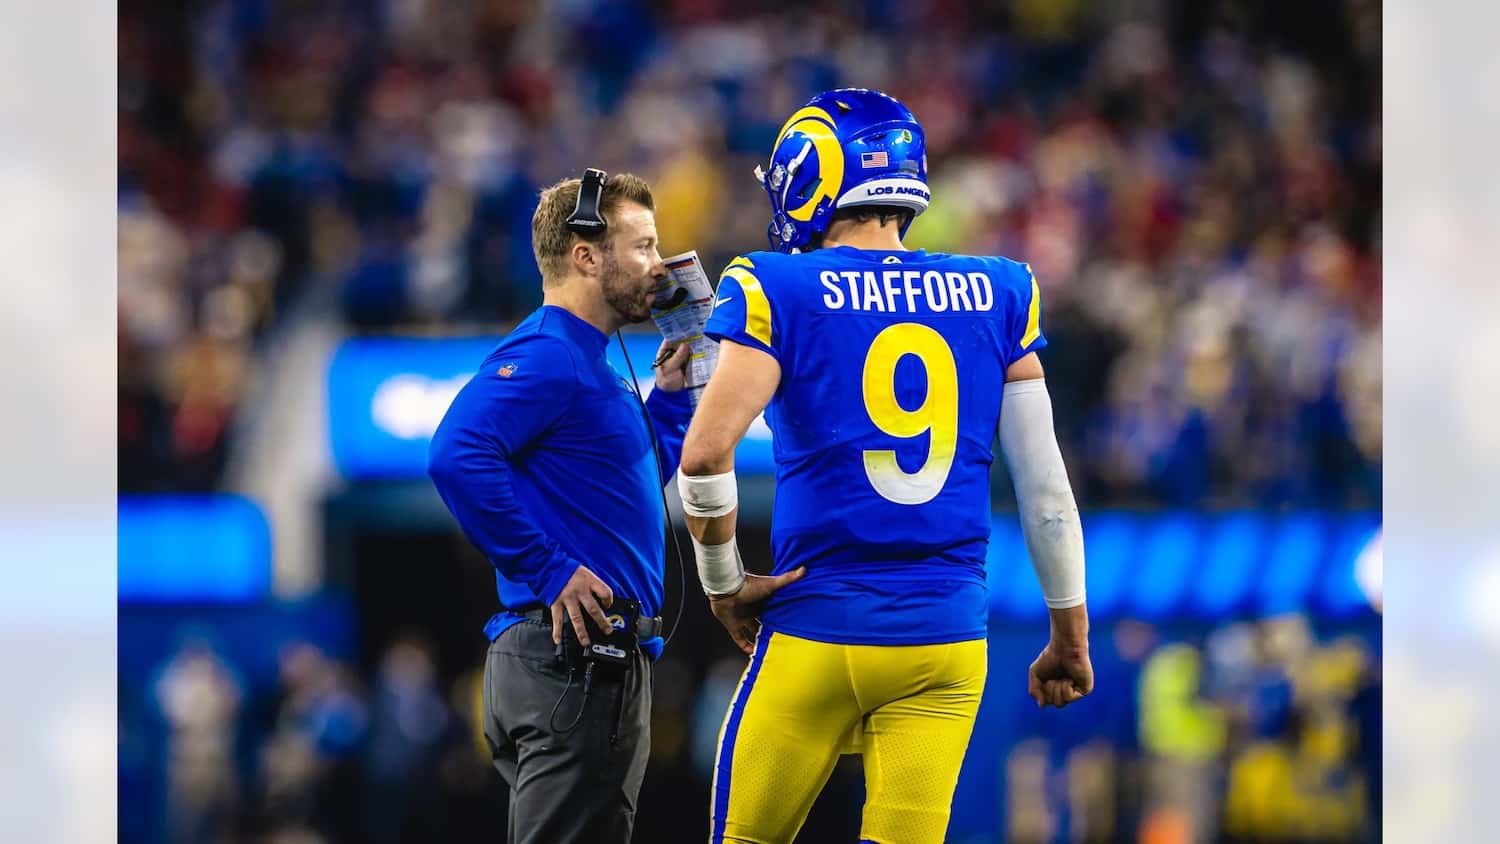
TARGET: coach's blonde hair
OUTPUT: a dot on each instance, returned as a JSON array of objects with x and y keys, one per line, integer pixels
[{"x": 551, "y": 240}]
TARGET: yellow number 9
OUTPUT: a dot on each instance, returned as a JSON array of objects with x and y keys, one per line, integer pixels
[{"x": 938, "y": 412}]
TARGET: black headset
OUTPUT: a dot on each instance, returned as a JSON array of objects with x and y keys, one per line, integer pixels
[{"x": 586, "y": 220}]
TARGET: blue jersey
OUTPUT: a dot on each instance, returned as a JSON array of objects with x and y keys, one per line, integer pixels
[{"x": 892, "y": 369}]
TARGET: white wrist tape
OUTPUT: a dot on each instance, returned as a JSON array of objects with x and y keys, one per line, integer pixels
[
  {"x": 1049, "y": 516},
  {"x": 708, "y": 496},
  {"x": 719, "y": 567}
]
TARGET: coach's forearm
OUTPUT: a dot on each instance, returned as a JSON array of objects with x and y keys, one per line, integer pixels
[
  {"x": 475, "y": 484},
  {"x": 670, "y": 413}
]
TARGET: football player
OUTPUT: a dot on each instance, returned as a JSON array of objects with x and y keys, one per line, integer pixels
[{"x": 884, "y": 375}]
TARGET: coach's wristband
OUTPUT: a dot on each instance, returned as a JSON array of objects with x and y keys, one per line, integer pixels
[{"x": 720, "y": 569}]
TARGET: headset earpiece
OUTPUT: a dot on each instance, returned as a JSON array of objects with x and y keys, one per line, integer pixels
[{"x": 586, "y": 219}]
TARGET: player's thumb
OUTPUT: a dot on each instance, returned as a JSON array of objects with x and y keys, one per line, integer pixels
[{"x": 792, "y": 576}]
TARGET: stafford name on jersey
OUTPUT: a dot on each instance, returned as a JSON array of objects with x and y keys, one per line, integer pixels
[{"x": 907, "y": 291}]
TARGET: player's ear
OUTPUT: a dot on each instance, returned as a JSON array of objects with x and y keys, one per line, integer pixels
[{"x": 585, "y": 257}]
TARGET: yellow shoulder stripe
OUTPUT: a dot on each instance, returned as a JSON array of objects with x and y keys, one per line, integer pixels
[
  {"x": 1033, "y": 314},
  {"x": 742, "y": 261},
  {"x": 757, "y": 307}
]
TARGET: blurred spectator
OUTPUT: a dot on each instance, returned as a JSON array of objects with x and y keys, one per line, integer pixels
[
  {"x": 309, "y": 766},
  {"x": 1299, "y": 775},
  {"x": 200, "y": 700},
  {"x": 410, "y": 725},
  {"x": 1182, "y": 737}
]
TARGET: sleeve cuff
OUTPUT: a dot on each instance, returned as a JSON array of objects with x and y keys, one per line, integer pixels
[
  {"x": 669, "y": 406},
  {"x": 555, "y": 578},
  {"x": 1036, "y": 346},
  {"x": 1065, "y": 603}
]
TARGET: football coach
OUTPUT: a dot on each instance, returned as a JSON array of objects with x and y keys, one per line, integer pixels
[{"x": 554, "y": 470}]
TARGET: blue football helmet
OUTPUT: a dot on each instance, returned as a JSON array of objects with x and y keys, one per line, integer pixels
[{"x": 845, "y": 147}]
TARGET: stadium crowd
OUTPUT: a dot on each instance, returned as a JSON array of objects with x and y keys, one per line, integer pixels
[{"x": 1196, "y": 185}]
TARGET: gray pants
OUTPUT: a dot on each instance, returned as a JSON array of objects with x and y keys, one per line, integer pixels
[{"x": 565, "y": 786}]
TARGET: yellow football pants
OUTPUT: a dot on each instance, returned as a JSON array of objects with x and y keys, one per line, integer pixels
[{"x": 908, "y": 709}]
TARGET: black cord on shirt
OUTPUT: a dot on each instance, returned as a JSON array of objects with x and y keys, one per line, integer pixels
[{"x": 661, "y": 469}]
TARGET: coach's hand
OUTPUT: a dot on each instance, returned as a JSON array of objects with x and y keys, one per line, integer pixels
[
  {"x": 584, "y": 593},
  {"x": 671, "y": 365},
  {"x": 740, "y": 612},
  {"x": 1061, "y": 675}
]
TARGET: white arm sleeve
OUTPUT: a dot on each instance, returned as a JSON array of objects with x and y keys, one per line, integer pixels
[{"x": 1049, "y": 516}]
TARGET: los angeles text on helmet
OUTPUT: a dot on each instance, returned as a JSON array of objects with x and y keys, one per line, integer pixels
[
  {"x": 907, "y": 291},
  {"x": 888, "y": 190}
]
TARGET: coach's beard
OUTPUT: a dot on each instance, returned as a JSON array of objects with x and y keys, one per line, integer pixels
[{"x": 630, "y": 297}]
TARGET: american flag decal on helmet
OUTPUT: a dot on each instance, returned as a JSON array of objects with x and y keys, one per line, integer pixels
[{"x": 874, "y": 159}]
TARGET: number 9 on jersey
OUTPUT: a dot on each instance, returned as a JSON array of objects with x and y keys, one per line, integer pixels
[{"x": 938, "y": 412}]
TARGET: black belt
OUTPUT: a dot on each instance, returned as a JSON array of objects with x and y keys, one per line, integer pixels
[{"x": 645, "y": 628}]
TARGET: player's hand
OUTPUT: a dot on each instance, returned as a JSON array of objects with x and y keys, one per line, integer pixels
[
  {"x": 583, "y": 593},
  {"x": 671, "y": 365},
  {"x": 1061, "y": 675},
  {"x": 740, "y": 612}
]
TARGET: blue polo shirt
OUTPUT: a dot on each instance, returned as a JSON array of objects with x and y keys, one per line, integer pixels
[{"x": 545, "y": 461}]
